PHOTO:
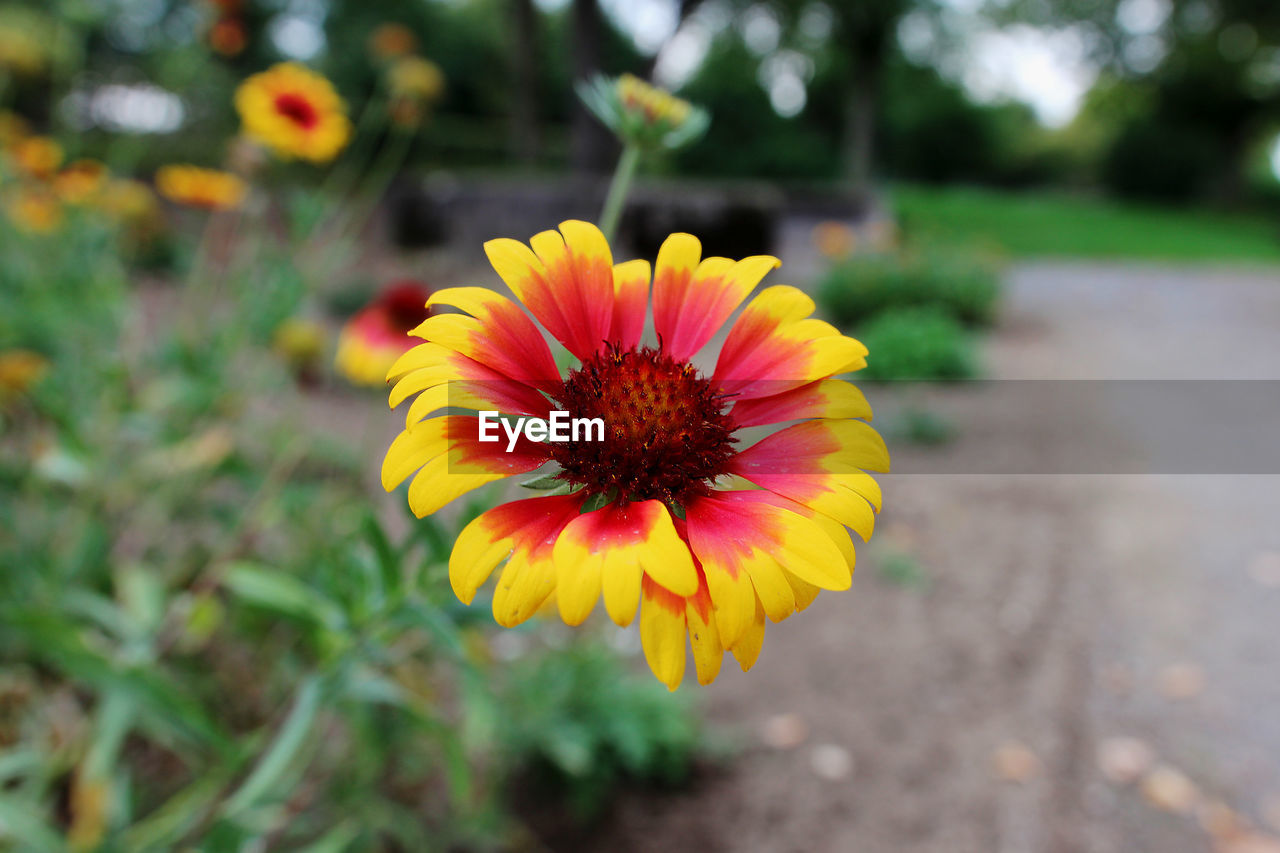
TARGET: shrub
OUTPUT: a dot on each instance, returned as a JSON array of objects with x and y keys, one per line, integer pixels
[
  {"x": 1161, "y": 161},
  {"x": 923, "y": 343},
  {"x": 963, "y": 285}
]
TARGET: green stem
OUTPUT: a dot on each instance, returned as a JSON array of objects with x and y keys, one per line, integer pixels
[
  {"x": 273, "y": 764},
  {"x": 381, "y": 173},
  {"x": 619, "y": 187}
]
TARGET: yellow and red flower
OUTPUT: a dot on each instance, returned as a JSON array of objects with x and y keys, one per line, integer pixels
[
  {"x": 665, "y": 514},
  {"x": 24, "y": 42},
  {"x": 834, "y": 240},
  {"x": 378, "y": 335},
  {"x": 34, "y": 209},
  {"x": 642, "y": 114},
  {"x": 228, "y": 36},
  {"x": 37, "y": 156},
  {"x": 295, "y": 112},
  {"x": 414, "y": 84},
  {"x": 199, "y": 187},
  {"x": 13, "y": 127},
  {"x": 130, "y": 203},
  {"x": 20, "y": 369},
  {"x": 80, "y": 182}
]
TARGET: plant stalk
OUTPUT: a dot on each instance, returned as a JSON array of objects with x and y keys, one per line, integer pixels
[{"x": 619, "y": 188}]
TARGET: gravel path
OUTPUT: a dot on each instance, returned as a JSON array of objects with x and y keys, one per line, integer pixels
[{"x": 1029, "y": 663}]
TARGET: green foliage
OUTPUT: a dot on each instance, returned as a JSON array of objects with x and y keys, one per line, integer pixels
[
  {"x": 1056, "y": 224},
  {"x": 933, "y": 132},
  {"x": 747, "y": 138},
  {"x": 902, "y": 569},
  {"x": 964, "y": 285},
  {"x": 1161, "y": 160},
  {"x": 917, "y": 343},
  {"x": 585, "y": 727},
  {"x": 921, "y": 426},
  {"x": 207, "y": 639}
]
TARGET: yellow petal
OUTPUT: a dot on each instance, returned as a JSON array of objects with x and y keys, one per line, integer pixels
[{"x": 662, "y": 633}]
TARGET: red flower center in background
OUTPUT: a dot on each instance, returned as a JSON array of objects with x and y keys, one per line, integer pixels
[
  {"x": 666, "y": 431},
  {"x": 405, "y": 306},
  {"x": 297, "y": 109}
]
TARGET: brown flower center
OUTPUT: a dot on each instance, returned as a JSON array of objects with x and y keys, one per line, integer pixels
[
  {"x": 405, "y": 305},
  {"x": 666, "y": 434},
  {"x": 297, "y": 109}
]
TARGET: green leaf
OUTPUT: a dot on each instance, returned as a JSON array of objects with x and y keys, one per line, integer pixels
[
  {"x": 547, "y": 482},
  {"x": 336, "y": 840},
  {"x": 20, "y": 821},
  {"x": 142, "y": 596},
  {"x": 421, "y": 614},
  {"x": 384, "y": 553},
  {"x": 276, "y": 761},
  {"x": 18, "y": 762},
  {"x": 282, "y": 593},
  {"x": 50, "y": 638},
  {"x": 115, "y": 718},
  {"x": 163, "y": 828},
  {"x": 596, "y": 502}
]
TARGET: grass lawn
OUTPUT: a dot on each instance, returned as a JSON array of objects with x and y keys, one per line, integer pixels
[{"x": 1048, "y": 224}]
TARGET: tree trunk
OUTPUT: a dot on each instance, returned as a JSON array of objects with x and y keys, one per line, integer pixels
[
  {"x": 525, "y": 138},
  {"x": 590, "y": 142},
  {"x": 860, "y": 128}
]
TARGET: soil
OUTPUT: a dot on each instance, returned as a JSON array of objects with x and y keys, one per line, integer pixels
[{"x": 1003, "y": 629}]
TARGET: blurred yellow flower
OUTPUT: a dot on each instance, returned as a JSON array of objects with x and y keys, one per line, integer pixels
[
  {"x": 295, "y": 112},
  {"x": 128, "y": 200},
  {"x": 299, "y": 343},
  {"x": 390, "y": 41},
  {"x": 643, "y": 115},
  {"x": 80, "y": 182},
  {"x": 34, "y": 209},
  {"x": 197, "y": 187},
  {"x": 12, "y": 128},
  {"x": 20, "y": 52},
  {"x": 38, "y": 156},
  {"x": 882, "y": 235},
  {"x": 834, "y": 240},
  {"x": 378, "y": 334},
  {"x": 415, "y": 77},
  {"x": 656, "y": 105},
  {"x": 414, "y": 83},
  {"x": 19, "y": 370}
]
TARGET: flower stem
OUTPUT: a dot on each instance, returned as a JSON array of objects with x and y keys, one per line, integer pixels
[{"x": 619, "y": 187}]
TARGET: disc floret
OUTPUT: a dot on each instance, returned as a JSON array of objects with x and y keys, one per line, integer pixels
[{"x": 667, "y": 435}]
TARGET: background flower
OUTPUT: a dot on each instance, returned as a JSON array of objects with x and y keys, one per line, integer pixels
[
  {"x": 198, "y": 187},
  {"x": 378, "y": 334},
  {"x": 295, "y": 112},
  {"x": 642, "y": 114}
]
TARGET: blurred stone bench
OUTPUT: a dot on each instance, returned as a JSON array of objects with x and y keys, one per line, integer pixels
[{"x": 733, "y": 219}]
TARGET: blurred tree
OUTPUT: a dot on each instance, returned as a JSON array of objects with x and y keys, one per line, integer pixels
[
  {"x": 1206, "y": 78},
  {"x": 865, "y": 30},
  {"x": 525, "y": 130},
  {"x": 591, "y": 144},
  {"x": 861, "y": 44},
  {"x": 747, "y": 138}
]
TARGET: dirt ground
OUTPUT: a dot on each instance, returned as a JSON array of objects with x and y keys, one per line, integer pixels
[{"x": 1028, "y": 662}]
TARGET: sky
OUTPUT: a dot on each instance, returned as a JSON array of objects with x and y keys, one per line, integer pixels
[{"x": 1048, "y": 70}]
